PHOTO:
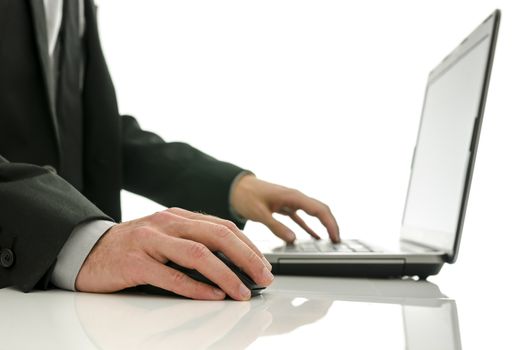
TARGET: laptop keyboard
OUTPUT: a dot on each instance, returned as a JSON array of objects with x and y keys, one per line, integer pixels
[{"x": 324, "y": 246}]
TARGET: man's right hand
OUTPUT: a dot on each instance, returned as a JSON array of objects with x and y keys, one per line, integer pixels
[{"x": 135, "y": 253}]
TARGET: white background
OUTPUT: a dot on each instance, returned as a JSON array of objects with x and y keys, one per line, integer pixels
[{"x": 325, "y": 96}]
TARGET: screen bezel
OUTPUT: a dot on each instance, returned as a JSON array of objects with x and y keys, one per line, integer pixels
[{"x": 430, "y": 238}]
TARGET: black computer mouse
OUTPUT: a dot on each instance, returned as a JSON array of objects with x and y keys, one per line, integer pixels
[{"x": 194, "y": 274}]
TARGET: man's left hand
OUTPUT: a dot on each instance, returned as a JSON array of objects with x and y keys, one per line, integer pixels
[{"x": 257, "y": 200}]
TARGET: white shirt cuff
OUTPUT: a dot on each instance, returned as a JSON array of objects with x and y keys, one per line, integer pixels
[{"x": 75, "y": 250}]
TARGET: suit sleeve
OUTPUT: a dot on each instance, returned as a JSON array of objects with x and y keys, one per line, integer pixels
[
  {"x": 38, "y": 212},
  {"x": 175, "y": 174}
]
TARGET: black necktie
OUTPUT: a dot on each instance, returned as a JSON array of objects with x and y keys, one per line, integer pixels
[{"x": 69, "y": 96}]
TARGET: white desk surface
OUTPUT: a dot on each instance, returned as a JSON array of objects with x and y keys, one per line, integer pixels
[{"x": 295, "y": 312}]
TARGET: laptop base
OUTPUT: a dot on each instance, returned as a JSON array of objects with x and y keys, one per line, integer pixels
[{"x": 375, "y": 269}]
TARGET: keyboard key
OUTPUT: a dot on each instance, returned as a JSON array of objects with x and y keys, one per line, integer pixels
[
  {"x": 310, "y": 249},
  {"x": 342, "y": 248},
  {"x": 323, "y": 246},
  {"x": 326, "y": 247},
  {"x": 358, "y": 247}
]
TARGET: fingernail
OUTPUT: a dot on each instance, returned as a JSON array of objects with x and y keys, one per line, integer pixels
[
  {"x": 218, "y": 292},
  {"x": 268, "y": 277},
  {"x": 244, "y": 292}
]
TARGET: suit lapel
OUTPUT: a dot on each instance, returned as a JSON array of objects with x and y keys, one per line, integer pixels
[{"x": 39, "y": 21}]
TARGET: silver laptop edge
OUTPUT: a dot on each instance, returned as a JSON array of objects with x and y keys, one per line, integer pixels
[
  {"x": 483, "y": 38},
  {"x": 441, "y": 168}
]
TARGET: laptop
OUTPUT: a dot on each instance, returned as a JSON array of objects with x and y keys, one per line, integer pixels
[{"x": 440, "y": 179}]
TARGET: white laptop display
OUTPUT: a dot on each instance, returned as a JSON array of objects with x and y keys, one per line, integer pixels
[{"x": 440, "y": 177}]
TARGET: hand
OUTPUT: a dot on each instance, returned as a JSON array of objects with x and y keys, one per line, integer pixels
[
  {"x": 135, "y": 252},
  {"x": 257, "y": 200}
]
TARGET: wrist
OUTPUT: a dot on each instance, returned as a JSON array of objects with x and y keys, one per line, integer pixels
[{"x": 239, "y": 193}]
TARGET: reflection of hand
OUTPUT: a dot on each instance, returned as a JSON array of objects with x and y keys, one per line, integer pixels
[
  {"x": 146, "y": 322},
  {"x": 257, "y": 200},
  {"x": 287, "y": 317},
  {"x": 138, "y": 322},
  {"x": 276, "y": 315},
  {"x": 135, "y": 252}
]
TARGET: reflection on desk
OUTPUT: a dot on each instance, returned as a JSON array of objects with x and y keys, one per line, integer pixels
[{"x": 293, "y": 312}]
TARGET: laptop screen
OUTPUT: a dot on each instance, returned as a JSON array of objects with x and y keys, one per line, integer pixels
[{"x": 443, "y": 155}]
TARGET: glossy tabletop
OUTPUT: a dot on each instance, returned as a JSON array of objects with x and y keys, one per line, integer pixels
[{"x": 294, "y": 312}]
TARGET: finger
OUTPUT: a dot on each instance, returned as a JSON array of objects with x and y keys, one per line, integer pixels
[
  {"x": 230, "y": 225},
  {"x": 220, "y": 238},
  {"x": 315, "y": 208},
  {"x": 195, "y": 255},
  {"x": 162, "y": 276},
  {"x": 299, "y": 221},
  {"x": 279, "y": 229}
]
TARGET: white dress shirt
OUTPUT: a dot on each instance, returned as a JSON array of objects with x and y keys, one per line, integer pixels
[{"x": 53, "y": 11}]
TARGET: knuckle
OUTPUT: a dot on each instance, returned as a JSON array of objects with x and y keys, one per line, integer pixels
[
  {"x": 141, "y": 232},
  {"x": 324, "y": 208},
  {"x": 324, "y": 205},
  {"x": 177, "y": 278},
  {"x": 161, "y": 216},
  {"x": 230, "y": 225},
  {"x": 174, "y": 210},
  {"x": 222, "y": 231},
  {"x": 197, "y": 251},
  {"x": 292, "y": 194},
  {"x": 184, "y": 225}
]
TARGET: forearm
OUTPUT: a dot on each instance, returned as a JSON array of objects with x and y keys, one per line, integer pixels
[
  {"x": 176, "y": 174},
  {"x": 38, "y": 212}
]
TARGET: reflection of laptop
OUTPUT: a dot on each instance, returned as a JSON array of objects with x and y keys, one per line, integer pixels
[
  {"x": 433, "y": 327},
  {"x": 440, "y": 177},
  {"x": 410, "y": 314}
]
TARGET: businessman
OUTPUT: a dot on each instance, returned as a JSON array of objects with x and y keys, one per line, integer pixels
[{"x": 65, "y": 154}]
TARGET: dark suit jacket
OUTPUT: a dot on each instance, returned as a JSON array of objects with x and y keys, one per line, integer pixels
[{"x": 38, "y": 208}]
